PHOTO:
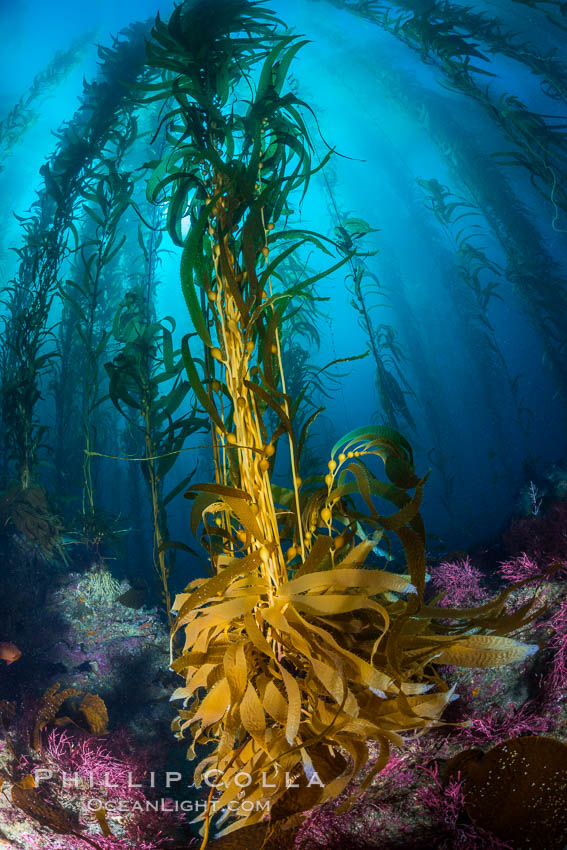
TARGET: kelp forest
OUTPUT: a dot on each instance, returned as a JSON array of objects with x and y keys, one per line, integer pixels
[{"x": 283, "y": 387}]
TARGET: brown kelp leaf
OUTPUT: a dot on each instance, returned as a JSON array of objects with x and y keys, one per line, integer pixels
[
  {"x": 54, "y": 817},
  {"x": 327, "y": 763},
  {"x": 275, "y": 705},
  {"x": 294, "y": 704},
  {"x": 518, "y": 790},
  {"x": 51, "y": 702},
  {"x": 252, "y": 715},
  {"x": 485, "y": 651},
  {"x": 214, "y": 704},
  {"x": 317, "y": 557},
  {"x": 213, "y": 586},
  {"x": 241, "y": 508},
  {"x": 94, "y": 711},
  {"x": 327, "y": 766},
  {"x": 28, "y": 511},
  {"x": 235, "y": 669},
  {"x": 359, "y": 553},
  {"x": 374, "y": 581},
  {"x": 217, "y": 615}
]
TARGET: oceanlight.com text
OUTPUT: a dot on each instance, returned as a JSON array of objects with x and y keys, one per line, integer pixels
[{"x": 167, "y": 805}]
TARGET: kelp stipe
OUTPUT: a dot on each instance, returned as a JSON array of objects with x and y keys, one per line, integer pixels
[
  {"x": 24, "y": 113},
  {"x": 391, "y": 384},
  {"x": 94, "y": 292},
  {"x": 144, "y": 365},
  {"x": 481, "y": 276},
  {"x": 293, "y": 651},
  {"x": 440, "y": 41},
  {"x": 528, "y": 258},
  {"x": 539, "y": 150},
  {"x": 27, "y": 351}
]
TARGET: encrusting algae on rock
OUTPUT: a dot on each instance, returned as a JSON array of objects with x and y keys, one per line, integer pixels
[{"x": 518, "y": 790}]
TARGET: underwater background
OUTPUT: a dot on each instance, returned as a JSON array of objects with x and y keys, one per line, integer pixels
[
  {"x": 466, "y": 286},
  {"x": 443, "y": 207}
]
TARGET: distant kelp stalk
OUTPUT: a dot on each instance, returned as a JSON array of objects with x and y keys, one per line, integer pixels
[
  {"x": 24, "y": 113},
  {"x": 147, "y": 388},
  {"x": 459, "y": 42},
  {"x": 297, "y": 652},
  {"x": 27, "y": 349}
]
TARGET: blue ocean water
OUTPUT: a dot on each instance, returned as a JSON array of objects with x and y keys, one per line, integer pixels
[{"x": 393, "y": 121}]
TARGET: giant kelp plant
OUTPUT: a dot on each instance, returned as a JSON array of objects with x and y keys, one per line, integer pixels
[
  {"x": 138, "y": 375},
  {"x": 294, "y": 649},
  {"x": 303, "y": 659},
  {"x": 24, "y": 113},
  {"x": 27, "y": 348},
  {"x": 456, "y": 40}
]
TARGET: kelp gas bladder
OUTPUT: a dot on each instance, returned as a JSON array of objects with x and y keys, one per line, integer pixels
[{"x": 295, "y": 651}]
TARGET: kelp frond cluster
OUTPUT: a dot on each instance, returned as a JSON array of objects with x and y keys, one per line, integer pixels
[
  {"x": 285, "y": 674},
  {"x": 297, "y": 650}
]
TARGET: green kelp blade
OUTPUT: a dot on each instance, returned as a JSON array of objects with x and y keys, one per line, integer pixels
[{"x": 193, "y": 268}]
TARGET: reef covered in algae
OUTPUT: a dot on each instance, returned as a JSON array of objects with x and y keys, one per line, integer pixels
[{"x": 226, "y": 619}]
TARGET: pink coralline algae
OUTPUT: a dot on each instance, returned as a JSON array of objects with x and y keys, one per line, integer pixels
[
  {"x": 90, "y": 759},
  {"x": 445, "y": 804},
  {"x": 77, "y": 768},
  {"x": 43, "y": 842},
  {"x": 505, "y": 721},
  {"x": 460, "y": 582},
  {"x": 520, "y": 568},
  {"x": 558, "y": 643}
]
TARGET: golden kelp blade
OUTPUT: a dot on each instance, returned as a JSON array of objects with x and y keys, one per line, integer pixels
[{"x": 282, "y": 682}]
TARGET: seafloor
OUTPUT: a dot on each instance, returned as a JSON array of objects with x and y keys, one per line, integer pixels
[{"x": 84, "y": 718}]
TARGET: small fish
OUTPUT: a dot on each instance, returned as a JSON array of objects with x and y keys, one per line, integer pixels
[
  {"x": 382, "y": 553},
  {"x": 9, "y": 652}
]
